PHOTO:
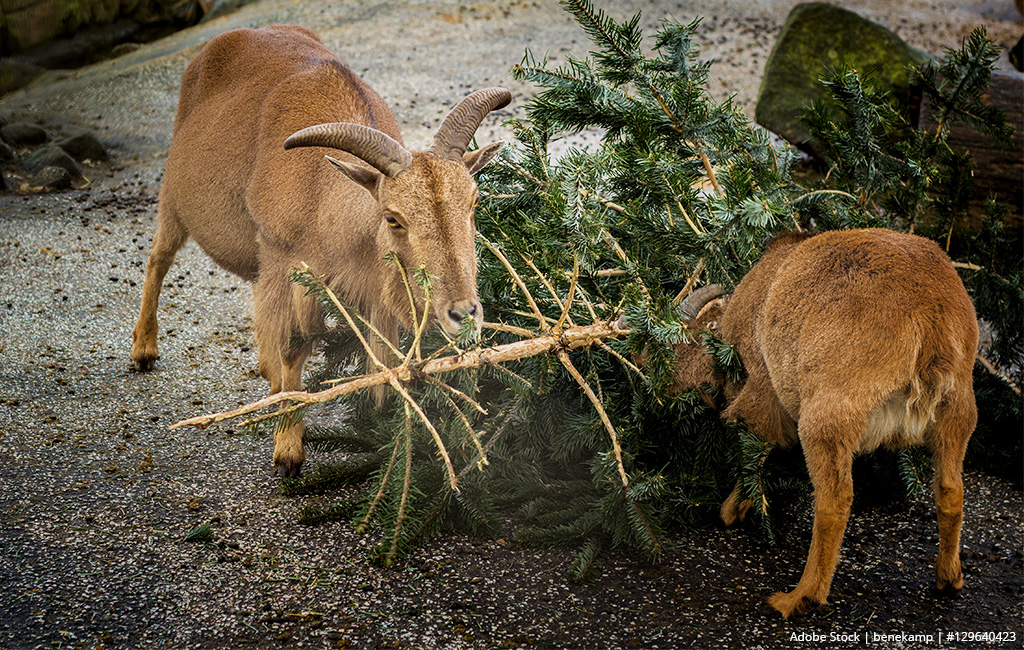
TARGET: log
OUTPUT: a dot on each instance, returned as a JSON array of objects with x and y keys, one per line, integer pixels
[{"x": 1000, "y": 164}]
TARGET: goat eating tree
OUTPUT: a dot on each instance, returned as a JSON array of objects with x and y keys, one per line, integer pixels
[
  {"x": 258, "y": 209},
  {"x": 851, "y": 340}
]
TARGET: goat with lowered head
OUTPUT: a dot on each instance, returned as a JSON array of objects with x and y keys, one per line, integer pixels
[
  {"x": 851, "y": 340},
  {"x": 234, "y": 184}
]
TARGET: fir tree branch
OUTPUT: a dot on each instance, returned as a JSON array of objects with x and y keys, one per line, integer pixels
[
  {"x": 365, "y": 522},
  {"x": 569, "y": 297},
  {"x": 414, "y": 349},
  {"x": 626, "y": 362},
  {"x": 518, "y": 312},
  {"x": 606, "y": 203},
  {"x": 539, "y": 183},
  {"x": 563, "y": 356},
  {"x": 590, "y": 307},
  {"x": 515, "y": 276},
  {"x": 506, "y": 413},
  {"x": 547, "y": 283},
  {"x": 351, "y": 323},
  {"x": 808, "y": 195},
  {"x": 455, "y": 391},
  {"x": 511, "y": 329},
  {"x": 671, "y": 190},
  {"x": 406, "y": 486},
  {"x": 572, "y": 338},
  {"x": 541, "y": 155},
  {"x": 400, "y": 389},
  {"x": 709, "y": 169},
  {"x": 597, "y": 24},
  {"x": 690, "y": 282},
  {"x": 989, "y": 366},
  {"x": 465, "y": 421}
]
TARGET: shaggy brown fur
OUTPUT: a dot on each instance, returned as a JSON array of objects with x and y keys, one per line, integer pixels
[
  {"x": 259, "y": 210},
  {"x": 851, "y": 340}
]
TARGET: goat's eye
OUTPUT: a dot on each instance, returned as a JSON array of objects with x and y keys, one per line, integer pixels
[{"x": 392, "y": 222}]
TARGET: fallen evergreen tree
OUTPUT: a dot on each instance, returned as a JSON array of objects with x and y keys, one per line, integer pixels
[{"x": 545, "y": 417}]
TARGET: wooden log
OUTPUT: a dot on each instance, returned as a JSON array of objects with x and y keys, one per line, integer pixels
[{"x": 1000, "y": 165}]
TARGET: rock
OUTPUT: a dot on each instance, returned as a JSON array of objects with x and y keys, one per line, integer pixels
[
  {"x": 220, "y": 8},
  {"x": 23, "y": 134},
  {"x": 6, "y": 153},
  {"x": 50, "y": 156},
  {"x": 817, "y": 36},
  {"x": 82, "y": 145},
  {"x": 52, "y": 178},
  {"x": 17, "y": 74},
  {"x": 124, "y": 48}
]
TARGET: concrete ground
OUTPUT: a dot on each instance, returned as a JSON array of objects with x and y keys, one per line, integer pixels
[{"x": 96, "y": 494}]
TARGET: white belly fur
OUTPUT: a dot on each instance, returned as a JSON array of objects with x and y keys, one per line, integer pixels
[{"x": 901, "y": 420}]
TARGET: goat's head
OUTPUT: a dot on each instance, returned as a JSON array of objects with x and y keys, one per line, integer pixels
[
  {"x": 701, "y": 311},
  {"x": 426, "y": 201}
]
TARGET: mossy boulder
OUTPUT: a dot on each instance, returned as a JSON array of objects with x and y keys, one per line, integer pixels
[{"x": 815, "y": 38}]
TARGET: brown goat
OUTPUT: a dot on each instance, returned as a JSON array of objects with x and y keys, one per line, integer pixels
[
  {"x": 851, "y": 340},
  {"x": 259, "y": 210}
]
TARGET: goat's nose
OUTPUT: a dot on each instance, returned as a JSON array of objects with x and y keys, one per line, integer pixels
[{"x": 457, "y": 314}]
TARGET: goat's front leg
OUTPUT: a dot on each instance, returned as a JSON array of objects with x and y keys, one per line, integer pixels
[
  {"x": 733, "y": 509},
  {"x": 276, "y": 317},
  {"x": 828, "y": 448},
  {"x": 289, "y": 452}
]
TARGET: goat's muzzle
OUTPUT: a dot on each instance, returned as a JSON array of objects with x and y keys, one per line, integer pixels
[{"x": 451, "y": 315}]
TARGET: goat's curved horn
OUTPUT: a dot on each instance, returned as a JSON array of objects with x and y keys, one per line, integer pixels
[
  {"x": 458, "y": 127},
  {"x": 694, "y": 302},
  {"x": 372, "y": 146}
]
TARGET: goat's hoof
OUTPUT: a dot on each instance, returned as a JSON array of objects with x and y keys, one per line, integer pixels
[
  {"x": 789, "y": 604},
  {"x": 143, "y": 364},
  {"x": 144, "y": 357},
  {"x": 289, "y": 465},
  {"x": 735, "y": 512},
  {"x": 950, "y": 587},
  {"x": 288, "y": 469}
]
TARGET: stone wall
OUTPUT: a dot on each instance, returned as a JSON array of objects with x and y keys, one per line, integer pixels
[{"x": 25, "y": 24}]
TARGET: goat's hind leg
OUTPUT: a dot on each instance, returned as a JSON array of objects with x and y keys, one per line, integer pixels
[
  {"x": 170, "y": 237},
  {"x": 828, "y": 440},
  {"x": 947, "y": 436}
]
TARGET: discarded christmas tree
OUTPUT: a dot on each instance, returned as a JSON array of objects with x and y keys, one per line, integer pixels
[{"x": 547, "y": 417}]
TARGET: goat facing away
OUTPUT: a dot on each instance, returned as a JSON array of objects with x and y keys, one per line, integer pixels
[
  {"x": 851, "y": 340},
  {"x": 259, "y": 209}
]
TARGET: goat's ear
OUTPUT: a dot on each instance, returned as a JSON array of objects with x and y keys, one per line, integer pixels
[
  {"x": 477, "y": 160},
  {"x": 365, "y": 176}
]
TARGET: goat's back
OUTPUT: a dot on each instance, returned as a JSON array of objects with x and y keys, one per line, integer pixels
[
  {"x": 874, "y": 320},
  {"x": 241, "y": 96}
]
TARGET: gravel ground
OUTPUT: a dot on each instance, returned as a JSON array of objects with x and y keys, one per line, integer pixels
[{"x": 96, "y": 495}]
